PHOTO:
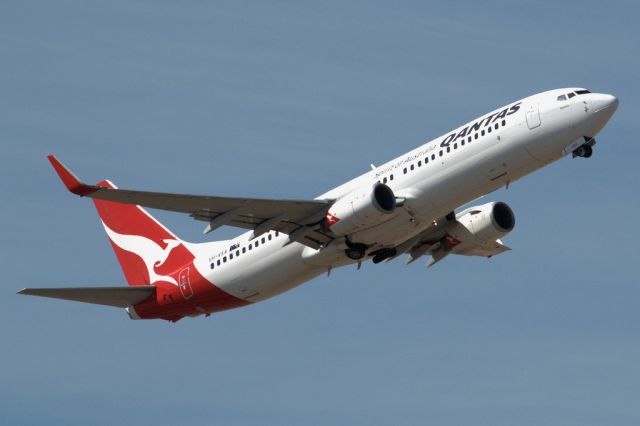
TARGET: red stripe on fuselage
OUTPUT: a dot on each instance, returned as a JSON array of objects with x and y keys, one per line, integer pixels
[{"x": 195, "y": 297}]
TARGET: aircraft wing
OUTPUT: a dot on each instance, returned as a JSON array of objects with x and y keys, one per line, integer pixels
[
  {"x": 447, "y": 236},
  {"x": 300, "y": 219},
  {"x": 428, "y": 241},
  {"x": 111, "y": 296}
]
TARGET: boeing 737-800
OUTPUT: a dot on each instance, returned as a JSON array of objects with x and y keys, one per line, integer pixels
[{"x": 406, "y": 206}]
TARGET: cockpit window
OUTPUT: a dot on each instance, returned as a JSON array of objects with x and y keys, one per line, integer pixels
[{"x": 572, "y": 94}]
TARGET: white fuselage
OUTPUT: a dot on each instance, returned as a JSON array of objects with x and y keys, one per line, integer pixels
[{"x": 434, "y": 179}]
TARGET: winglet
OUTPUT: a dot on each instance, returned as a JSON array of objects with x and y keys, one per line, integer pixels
[{"x": 70, "y": 180}]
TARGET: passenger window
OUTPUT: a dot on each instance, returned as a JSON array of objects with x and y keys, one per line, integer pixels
[
  {"x": 237, "y": 253},
  {"x": 420, "y": 163},
  {"x": 224, "y": 259},
  {"x": 482, "y": 133},
  {"x": 433, "y": 156},
  {"x": 262, "y": 240},
  {"x": 276, "y": 233},
  {"x": 213, "y": 265},
  {"x": 405, "y": 171},
  {"x": 495, "y": 126},
  {"x": 412, "y": 167},
  {"x": 455, "y": 146},
  {"x": 391, "y": 176},
  {"x": 448, "y": 149},
  {"x": 475, "y": 136},
  {"x": 440, "y": 153},
  {"x": 504, "y": 123},
  {"x": 230, "y": 256},
  {"x": 218, "y": 262},
  {"x": 244, "y": 250},
  {"x": 269, "y": 236},
  {"x": 489, "y": 129},
  {"x": 462, "y": 143}
]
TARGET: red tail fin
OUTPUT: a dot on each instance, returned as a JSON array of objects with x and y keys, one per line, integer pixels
[{"x": 147, "y": 251}]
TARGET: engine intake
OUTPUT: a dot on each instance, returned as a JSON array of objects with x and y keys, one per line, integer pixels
[
  {"x": 489, "y": 222},
  {"x": 503, "y": 217},
  {"x": 361, "y": 208},
  {"x": 383, "y": 198}
]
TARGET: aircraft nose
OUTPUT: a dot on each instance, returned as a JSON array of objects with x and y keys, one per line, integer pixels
[
  {"x": 601, "y": 102},
  {"x": 603, "y": 106}
]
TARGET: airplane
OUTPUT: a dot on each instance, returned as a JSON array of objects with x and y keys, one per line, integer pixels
[{"x": 406, "y": 206}]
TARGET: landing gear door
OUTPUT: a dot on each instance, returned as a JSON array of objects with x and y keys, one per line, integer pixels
[{"x": 533, "y": 116}]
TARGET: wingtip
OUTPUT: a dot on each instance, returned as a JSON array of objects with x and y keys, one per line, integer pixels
[{"x": 70, "y": 180}]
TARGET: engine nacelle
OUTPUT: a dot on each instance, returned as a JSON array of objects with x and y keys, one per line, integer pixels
[
  {"x": 488, "y": 222},
  {"x": 361, "y": 208}
]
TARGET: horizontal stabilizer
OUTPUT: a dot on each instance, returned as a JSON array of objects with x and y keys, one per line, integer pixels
[{"x": 121, "y": 297}]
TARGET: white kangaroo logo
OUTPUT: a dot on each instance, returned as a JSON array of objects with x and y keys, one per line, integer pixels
[{"x": 151, "y": 253}]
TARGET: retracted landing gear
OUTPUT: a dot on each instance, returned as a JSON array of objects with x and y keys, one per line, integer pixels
[
  {"x": 355, "y": 251},
  {"x": 584, "y": 151},
  {"x": 384, "y": 254}
]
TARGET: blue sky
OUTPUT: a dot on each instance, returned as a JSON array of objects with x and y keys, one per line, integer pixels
[{"x": 278, "y": 99}]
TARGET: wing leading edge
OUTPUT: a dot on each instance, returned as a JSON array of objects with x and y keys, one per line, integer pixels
[{"x": 300, "y": 219}]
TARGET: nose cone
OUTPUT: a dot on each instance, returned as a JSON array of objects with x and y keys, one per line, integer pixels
[
  {"x": 602, "y": 107},
  {"x": 603, "y": 104}
]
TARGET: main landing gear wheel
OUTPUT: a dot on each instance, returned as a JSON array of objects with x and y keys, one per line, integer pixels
[
  {"x": 584, "y": 151},
  {"x": 355, "y": 251},
  {"x": 384, "y": 254}
]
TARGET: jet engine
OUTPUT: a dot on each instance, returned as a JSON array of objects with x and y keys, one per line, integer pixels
[
  {"x": 360, "y": 209},
  {"x": 488, "y": 222}
]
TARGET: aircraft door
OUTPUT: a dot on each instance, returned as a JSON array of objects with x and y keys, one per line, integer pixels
[{"x": 533, "y": 116}]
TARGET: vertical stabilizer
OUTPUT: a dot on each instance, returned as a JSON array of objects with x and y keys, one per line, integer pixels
[{"x": 147, "y": 251}]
